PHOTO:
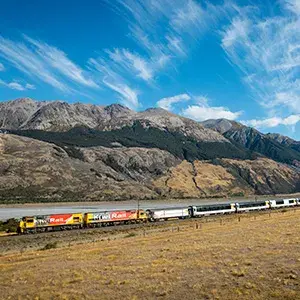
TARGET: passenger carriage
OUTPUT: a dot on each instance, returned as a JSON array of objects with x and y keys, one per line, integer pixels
[
  {"x": 250, "y": 206},
  {"x": 168, "y": 213},
  {"x": 206, "y": 210},
  {"x": 278, "y": 203}
]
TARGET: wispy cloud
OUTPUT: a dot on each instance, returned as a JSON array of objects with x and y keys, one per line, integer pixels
[
  {"x": 267, "y": 51},
  {"x": 45, "y": 63},
  {"x": 29, "y": 86},
  {"x": 133, "y": 63},
  {"x": 58, "y": 60},
  {"x": 188, "y": 16},
  {"x": 17, "y": 86},
  {"x": 293, "y": 5},
  {"x": 2, "y": 68},
  {"x": 167, "y": 103},
  {"x": 128, "y": 96},
  {"x": 114, "y": 81},
  {"x": 166, "y": 32},
  {"x": 273, "y": 122}
]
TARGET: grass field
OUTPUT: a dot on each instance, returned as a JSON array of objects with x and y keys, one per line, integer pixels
[{"x": 253, "y": 256}]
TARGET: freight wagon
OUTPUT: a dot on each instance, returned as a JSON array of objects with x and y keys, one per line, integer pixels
[
  {"x": 104, "y": 218},
  {"x": 168, "y": 213},
  {"x": 50, "y": 222}
]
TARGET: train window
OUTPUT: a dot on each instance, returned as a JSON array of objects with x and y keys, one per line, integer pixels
[
  {"x": 291, "y": 201},
  {"x": 252, "y": 204},
  {"x": 29, "y": 221},
  {"x": 76, "y": 219},
  {"x": 279, "y": 202},
  {"x": 213, "y": 207}
]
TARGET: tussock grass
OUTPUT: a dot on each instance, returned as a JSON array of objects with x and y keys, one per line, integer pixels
[{"x": 254, "y": 258}]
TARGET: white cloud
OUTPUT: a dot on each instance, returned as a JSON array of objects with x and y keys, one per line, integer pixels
[
  {"x": 287, "y": 99},
  {"x": 237, "y": 30},
  {"x": 188, "y": 16},
  {"x": 267, "y": 51},
  {"x": 29, "y": 86},
  {"x": 128, "y": 96},
  {"x": 201, "y": 100},
  {"x": 201, "y": 113},
  {"x": 114, "y": 81},
  {"x": 167, "y": 103},
  {"x": 59, "y": 61},
  {"x": 166, "y": 31},
  {"x": 175, "y": 44},
  {"x": 25, "y": 60},
  {"x": 2, "y": 68},
  {"x": 132, "y": 63},
  {"x": 293, "y": 5},
  {"x": 273, "y": 122},
  {"x": 17, "y": 86},
  {"x": 45, "y": 63}
]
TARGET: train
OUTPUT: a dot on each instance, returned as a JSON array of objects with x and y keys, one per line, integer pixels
[{"x": 43, "y": 223}]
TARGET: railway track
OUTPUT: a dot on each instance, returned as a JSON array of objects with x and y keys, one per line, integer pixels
[{"x": 66, "y": 238}]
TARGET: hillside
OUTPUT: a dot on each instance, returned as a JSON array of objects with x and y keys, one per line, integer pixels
[
  {"x": 32, "y": 170},
  {"x": 59, "y": 116},
  {"x": 56, "y": 151},
  {"x": 270, "y": 146},
  {"x": 141, "y": 135}
]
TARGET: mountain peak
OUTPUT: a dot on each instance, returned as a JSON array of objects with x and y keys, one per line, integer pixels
[
  {"x": 22, "y": 101},
  {"x": 220, "y": 125},
  {"x": 157, "y": 110}
]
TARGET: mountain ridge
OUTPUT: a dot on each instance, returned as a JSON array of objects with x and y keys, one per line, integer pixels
[
  {"x": 37, "y": 171},
  {"x": 62, "y": 116},
  {"x": 56, "y": 151},
  {"x": 269, "y": 145}
]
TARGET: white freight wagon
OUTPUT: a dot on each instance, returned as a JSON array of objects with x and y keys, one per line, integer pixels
[{"x": 168, "y": 213}]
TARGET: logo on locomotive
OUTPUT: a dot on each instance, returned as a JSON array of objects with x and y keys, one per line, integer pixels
[{"x": 101, "y": 216}]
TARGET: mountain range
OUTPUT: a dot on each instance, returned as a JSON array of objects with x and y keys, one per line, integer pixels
[{"x": 57, "y": 151}]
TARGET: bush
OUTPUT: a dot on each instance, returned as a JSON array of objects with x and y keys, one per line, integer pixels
[
  {"x": 10, "y": 225},
  {"x": 49, "y": 246}
]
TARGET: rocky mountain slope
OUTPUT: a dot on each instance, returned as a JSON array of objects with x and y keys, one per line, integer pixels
[
  {"x": 60, "y": 116},
  {"x": 223, "y": 177},
  {"x": 60, "y": 151},
  {"x": 271, "y": 146},
  {"x": 13, "y": 114},
  {"x": 31, "y": 170}
]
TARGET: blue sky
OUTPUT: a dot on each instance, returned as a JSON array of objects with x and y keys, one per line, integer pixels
[{"x": 202, "y": 59}]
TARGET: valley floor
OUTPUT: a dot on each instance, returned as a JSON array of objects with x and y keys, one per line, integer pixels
[{"x": 249, "y": 256}]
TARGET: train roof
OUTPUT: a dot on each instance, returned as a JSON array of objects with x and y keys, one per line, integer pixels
[{"x": 169, "y": 208}]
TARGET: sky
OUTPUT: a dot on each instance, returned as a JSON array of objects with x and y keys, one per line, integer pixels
[{"x": 238, "y": 60}]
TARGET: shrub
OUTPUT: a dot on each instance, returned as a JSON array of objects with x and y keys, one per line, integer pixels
[{"x": 48, "y": 246}]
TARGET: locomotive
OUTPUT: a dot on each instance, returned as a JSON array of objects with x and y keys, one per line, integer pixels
[{"x": 33, "y": 224}]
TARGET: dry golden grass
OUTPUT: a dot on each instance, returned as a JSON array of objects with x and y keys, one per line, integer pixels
[{"x": 256, "y": 258}]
